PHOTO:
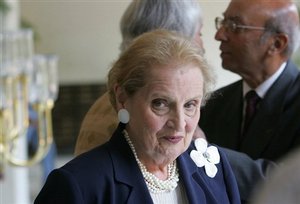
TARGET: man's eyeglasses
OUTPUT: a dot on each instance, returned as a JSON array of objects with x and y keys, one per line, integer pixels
[{"x": 232, "y": 26}]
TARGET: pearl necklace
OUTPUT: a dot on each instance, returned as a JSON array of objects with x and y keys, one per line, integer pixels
[{"x": 154, "y": 184}]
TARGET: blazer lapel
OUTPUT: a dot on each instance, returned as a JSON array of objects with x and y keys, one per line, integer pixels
[
  {"x": 264, "y": 125},
  {"x": 127, "y": 170},
  {"x": 193, "y": 183},
  {"x": 230, "y": 126}
]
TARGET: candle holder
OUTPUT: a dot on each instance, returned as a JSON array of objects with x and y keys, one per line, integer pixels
[{"x": 26, "y": 80}]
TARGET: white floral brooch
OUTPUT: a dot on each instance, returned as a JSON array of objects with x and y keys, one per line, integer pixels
[{"x": 206, "y": 156}]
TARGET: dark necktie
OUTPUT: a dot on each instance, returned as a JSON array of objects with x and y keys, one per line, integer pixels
[{"x": 252, "y": 100}]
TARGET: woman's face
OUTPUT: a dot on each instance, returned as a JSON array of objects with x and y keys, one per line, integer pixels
[{"x": 165, "y": 112}]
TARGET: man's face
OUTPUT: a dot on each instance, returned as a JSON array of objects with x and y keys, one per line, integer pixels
[{"x": 242, "y": 49}]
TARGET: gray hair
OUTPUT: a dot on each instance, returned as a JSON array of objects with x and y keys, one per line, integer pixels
[{"x": 145, "y": 15}]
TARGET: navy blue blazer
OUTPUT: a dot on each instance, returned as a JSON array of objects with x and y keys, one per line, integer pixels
[{"x": 110, "y": 174}]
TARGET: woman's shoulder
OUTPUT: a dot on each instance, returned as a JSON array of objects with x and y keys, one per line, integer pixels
[{"x": 95, "y": 160}]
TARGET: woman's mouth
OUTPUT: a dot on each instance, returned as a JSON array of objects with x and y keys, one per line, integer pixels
[{"x": 173, "y": 139}]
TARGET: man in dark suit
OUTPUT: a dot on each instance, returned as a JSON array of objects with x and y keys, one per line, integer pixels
[{"x": 257, "y": 38}]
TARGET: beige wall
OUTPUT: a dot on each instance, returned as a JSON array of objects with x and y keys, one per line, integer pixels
[{"x": 85, "y": 34}]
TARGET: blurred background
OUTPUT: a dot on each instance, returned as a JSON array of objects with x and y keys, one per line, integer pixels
[{"x": 85, "y": 37}]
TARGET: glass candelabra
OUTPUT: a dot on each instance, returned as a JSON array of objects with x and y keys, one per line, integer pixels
[{"x": 26, "y": 80}]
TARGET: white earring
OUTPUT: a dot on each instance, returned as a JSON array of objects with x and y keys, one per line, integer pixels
[{"x": 123, "y": 116}]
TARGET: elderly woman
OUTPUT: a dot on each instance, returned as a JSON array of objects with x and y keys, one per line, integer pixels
[
  {"x": 157, "y": 87},
  {"x": 140, "y": 16}
]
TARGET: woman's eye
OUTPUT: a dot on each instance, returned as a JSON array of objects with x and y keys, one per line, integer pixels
[
  {"x": 159, "y": 103},
  {"x": 160, "y": 106},
  {"x": 190, "y": 108}
]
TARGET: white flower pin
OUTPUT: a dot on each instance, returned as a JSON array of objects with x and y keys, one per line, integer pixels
[{"x": 206, "y": 156}]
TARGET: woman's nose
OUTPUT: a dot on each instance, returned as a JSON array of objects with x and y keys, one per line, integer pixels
[{"x": 177, "y": 121}]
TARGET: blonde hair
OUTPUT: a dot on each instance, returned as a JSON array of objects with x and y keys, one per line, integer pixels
[{"x": 159, "y": 47}]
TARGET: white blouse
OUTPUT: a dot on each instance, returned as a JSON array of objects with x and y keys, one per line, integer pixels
[{"x": 177, "y": 196}]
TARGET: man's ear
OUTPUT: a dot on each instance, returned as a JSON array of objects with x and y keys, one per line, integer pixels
[
  {"x": 279, "y": 44},
  {"x": 121, "y": 96}
]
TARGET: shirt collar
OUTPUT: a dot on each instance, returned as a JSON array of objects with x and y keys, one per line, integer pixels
[{"x": 262, "y": 89}]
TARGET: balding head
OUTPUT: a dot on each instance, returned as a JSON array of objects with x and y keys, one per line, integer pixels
[
  {"x": 284, "y": 18},
  {"x": 280, "y": 16},
  {"x": 268, "y": 5},
  {"x": 257, "y": 37}
]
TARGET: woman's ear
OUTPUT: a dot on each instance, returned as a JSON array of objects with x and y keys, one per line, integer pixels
[{"x": 121, "y": 96}]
